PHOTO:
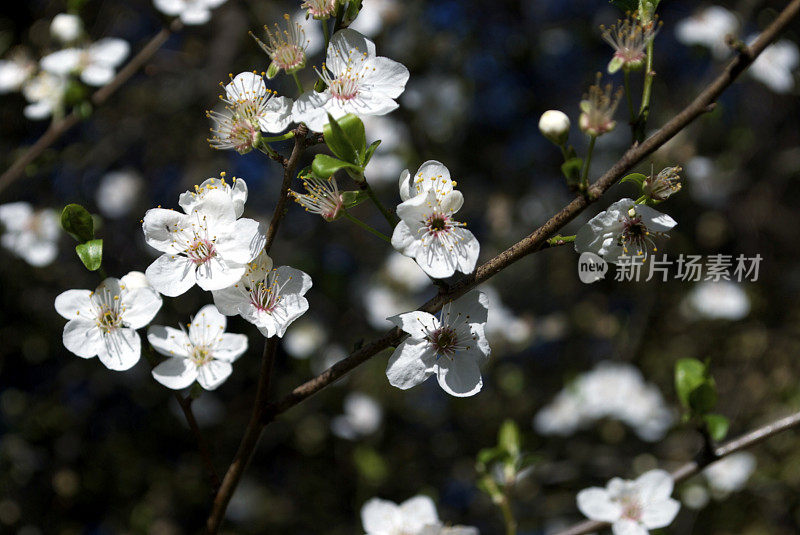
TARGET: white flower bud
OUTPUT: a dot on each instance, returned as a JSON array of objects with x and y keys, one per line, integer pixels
[
  {"x": 554, "y": 125},
  {"x": 66, "y": 27}
]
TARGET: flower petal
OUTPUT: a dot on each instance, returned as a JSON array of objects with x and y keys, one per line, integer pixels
[
  {"x": 160, "y": 227},
  {"x": 416, "y": 323},
  {"x": 212, "y": 374},
  {"x": 654, "y": 486},
  {"x": 168, "y": 341},
  {"x": 230, "y": 347},
  {"x": 171, "y": 275},
  {"x": 418, "y": 512},
  {"x": 121, "y": 349},
  {"x": 243, "y": 243},
  {"x": 83, "y": 338},
  {"x": 75, "y": 304},
  {"x": 380, "y": 517},
  {"x": 660, "y": 514},
  {"x": 140, "y": 306},
  {"x": 596, "y": 504},
  {"x": 176, "y": 373},
  {"x": 410, "y": 364},
  {"x": 461, "y": 376}
]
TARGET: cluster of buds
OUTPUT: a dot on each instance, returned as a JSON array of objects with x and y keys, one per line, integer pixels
[
  {"x": 285, "y": 47},
  {"x": 597, "y": 109},
  {"x": 629, "y": 39},
  {"x": 661, "y": 186}
]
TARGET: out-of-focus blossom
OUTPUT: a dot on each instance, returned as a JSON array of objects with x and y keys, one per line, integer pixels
[
  {"x": 415, "y": 516},
  {"x": 382, "y": 301},
  {"x": 694, "y": 496},
  {"x": 624, "y": 229},
  {"x": 730, "y": 474},
  {"x": 610, "y": 390},
  {"x": 403, "y": 271},
  {"x": 632, "y": 507},
  {"x": 554, "y": 125},
  {"x": 103, "y": 323},
  {"x": 191, "y": 12},
  {"x": 204, "y": 354},
  {"x": 118, "y": 192},
  {"x": 722, "y": 300},
  {"x": 629, "y": 40},
  {"x": 452, "y": 347},
  {"x": 708, "y": 28},
  {"x": 386, "y": 163},
  {"x": 440, "y": 104},
  {"x": 95, "y": 64},
  {"x": 502, "y": 325},
  {"x": 598, "y": 108},
  {"x": 362, "y": 417},
  {"x": 30, "y": 234},
  {"x": 306, "y": 338},
  {"x": 66, "y": 27},
  {"x": 15, "y": 70},
  {"x": 358, "y": 81},
  {"x": 709, "y": 184},
  {"x": 45, "y": 92},
  {"x": 775, "y": 66},
  {"x": 374, "y": 14}
]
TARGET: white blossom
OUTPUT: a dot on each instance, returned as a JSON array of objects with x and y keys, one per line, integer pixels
[
  {"x": 271, "y": 299},
  {"x": 103, "y": 323},
  {"x": 45, "y": 93},
  {"x": 362, "y": 417},
  {"x": 66, "y": 27},
  {"x": 404, "y": 272},
  {"x": 306, "y": 338},
  {"x": 730, "y": 474},
  {"x": 374, "y": 14},
  {"x": 632, "y": 507},
  {"x": 95, "y": 64},
  {"x": 452, "y": 346},
  {"x": 15, "y": 70},
  {"x": 386, "y": 163},
  {"x": 118, "y": 192},
  {"x": 775, "y": 66},
  {"x": 624, "y": 229},
  {"x": 203, "y": 354},
  {"x": 236, "y": 190},
  {"x": 30, "y": 234},
  {"x": 358, "y": 81},
  {"x": 427, "y": 231},
  {"x": 191, "y": 12},
  {"x": 723, "y": 300},
  {"x": 708, "y": 28},
  {"x": 412, "y": 517},
  {"x": 207, "y": 246}
]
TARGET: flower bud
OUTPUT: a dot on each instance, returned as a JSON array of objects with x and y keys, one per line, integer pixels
[
  {"x": 66, "y": 27},
  {"x": 554, "y": 125}
]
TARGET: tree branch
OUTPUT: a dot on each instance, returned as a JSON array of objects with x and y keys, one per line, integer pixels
[{"x": 60, "y": 127}]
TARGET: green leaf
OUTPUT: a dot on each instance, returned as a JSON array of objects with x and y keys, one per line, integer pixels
[
  {"x": 91, "y": 254},
  {"x": 346, "y": 138},
  {"x": 717, "y": 426},
  {"x": 488, "y": 456},
  {"x": 77, "y": 221},
  {"x": 353, "y": 8},
  {"x": 325, "y": 166},
  {"x": 370, "y": 151},
  {"x": 508, "y": 438},
  {"x": 529, "y": 459},
  {"x": 637, "y": 178},
  {"x": 352, "y": 199},
  {"x": 572, "y": 171},
  {"x": 689, "y": 374},
  {"x": 703, "y": 398}
]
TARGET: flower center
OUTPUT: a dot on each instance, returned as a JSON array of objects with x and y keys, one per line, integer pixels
[
  {"x": 201, "y": 355},
  {"x": 344, "y": 88},
  {"x": 108, "y": 310},
  {"x": 201, "y": 251},
  {"x": 108, "y": 319},
  {"x": 289, "y": 56},
  {"x": 445, "y": 341},
  {"x": 635, "y": 238},
  {"x": 265, "y": 295},
  {"x": 631, "y": 508}
]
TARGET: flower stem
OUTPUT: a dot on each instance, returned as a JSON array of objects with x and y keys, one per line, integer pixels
[
  {"x": 587, "y": 161},
  {"x": 390, "y": 217},
  {"x": 629, "y": 98},
  {"x": 644, "y": 109},
  {"x": 326, "y": 32},
  {"x": 558, "y": 239},
  {"x": 366, "y": 227},
  {"x": 266, "y": 149},
  {"x": 283, "y": 137},
  {"x": 508, "y": 516},
  {"x": 297, "y": 81}
]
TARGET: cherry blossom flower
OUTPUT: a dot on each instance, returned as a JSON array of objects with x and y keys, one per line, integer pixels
[
  {"x": 624, "y": 229},
  {"x": 358, "y": 81},
  {"x": 237, "y": 193},
  {"x": 103, "y": 323},
  {"x": 306, "y": 338},
  {"x": 191, "y": 12},
  {"x": 15, "y": 70},
  {"x": 95, "y": 64},
  {"x": 323, "y": 197},
  {"x": 203, "y": 354},
  {"x": 775, "y": 65},
  {"x": 286, "y": 48},
  {"x": 66, "y": 27},
  {"x": 206, "y": 246},
  {"x": 632, "y": 507},
  {"x": 662, "y": 186},
  {"x": 427, "y": 231},
  {"x": 730, "y": 474},
  {"x": 250, "y": 108},
  {"x": 451, "y": 346},
  {"x": 362, "y": 417},
  {"x": 598, "y": 108},
  {"x": 30, "y": 234},
  {"x": 383, "y": 517},
  {"x": 708, "y": 28},
  {"x": 45, "y": 92},
  {"x": 629, "y": 40},
  {"x": 431, "y": 175},
  {"x": 271, "y": 299}
]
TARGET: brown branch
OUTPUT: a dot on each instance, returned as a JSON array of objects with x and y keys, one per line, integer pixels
[
  {"x": 537, "y": 239},
  {"x": 60, "y": 127},
  {"x": 288, "y": 175},
  {"x": 693, "y": 467},
  {"x": 202, "y": 445}
]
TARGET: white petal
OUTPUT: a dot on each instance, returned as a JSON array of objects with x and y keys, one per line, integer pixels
[
  {"x": 168, "y": 341},
  {"x": 74, "y": 304},
  {"x": 467, "y": 250},
  {"x": 386, "y": 76},
  {"x": 62, "y": 62},
  {"x": 416, "y": 323},
  {"x": 277, "y": 116},
  {"x": 379, "y": 517},
  {"x": 410, "y": 364},
  {"x": 121, "y": 349},
  {"x": 451, "y": 202},
  {"x": 292, "y": 281},
  {"x": 654, "y": 486},
  {"x": 245, "y": 86},
  {"x": 217, "y": 274},
  {"x": 628, "y": 527},
  {"x": 175, "y": 373},
  {"x": 171, "y": 275},
  {"x": 39, "y": 110},
  {"x": 207, "y": 325},
  {"x": 160, "y": 226},
  {"x": 170, "y": 7},
  {"x": 660, "y": 514},
  {"x": 473, "y": 305},
  {"x": 243, "y": 243},
  {"x": 655, "y": 220},
  {"x": 418, "y": 512},
  {"x": 229, "y": 300},
  {"x": 140, "y": 306},
  {"x": 595, "y": 503},
  {"x": 212, "y": 374},
  {"x": 109, "y": 52},
  {"x": 83, "y": 338},
  {"x": 230, "y": 347},
  {"x": 217, "y": 207},
  {"x": 290, "y": 307},
  {"x": 193, "y": 16},
  {"x": 461, "y": 376},
  {"x": 406, "y": 185},
  {"x": 347, "y": 45},
  {"x": 309, "y": 108},
  {"x": 404, "y": 240}
]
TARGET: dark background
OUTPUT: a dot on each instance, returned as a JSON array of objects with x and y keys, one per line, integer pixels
[{"x": 87, "y": 450}]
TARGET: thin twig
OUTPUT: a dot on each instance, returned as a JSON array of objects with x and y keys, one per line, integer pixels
[
  {"x": 693, "y": 467},
  {"x": 288, "y": 175},
  {"x": 202, "y": 445},
  {"x": 60, "y": 127}
]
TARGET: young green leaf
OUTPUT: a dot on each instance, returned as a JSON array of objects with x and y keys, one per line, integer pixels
[
  {"x": 508, "y": 438},
  {"x": 637, "y": 178},
  {"x": 351, "y": 199},
  {"x": 370, "y": 151},
  {"x": 689, "y": 374},
  {"x": 346, "y": 138},
  {"x": 572, "y": 171},
  {"x": 91, "y": 254},
  {"x": 717, "y": 426},
  {"x": 703, "y": 398},
  {"x": 325, "y": 166},
  {"x": 77, "y": 221}
]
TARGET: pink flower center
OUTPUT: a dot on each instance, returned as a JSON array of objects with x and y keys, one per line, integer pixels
[
  {"x": 201, "y": 251},
  {"x": 344, "y": 88},
  {"x": 444, "y": 340}
]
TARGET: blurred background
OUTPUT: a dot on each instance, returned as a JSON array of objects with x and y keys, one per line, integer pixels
[{"x": 87, "y": 450}]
